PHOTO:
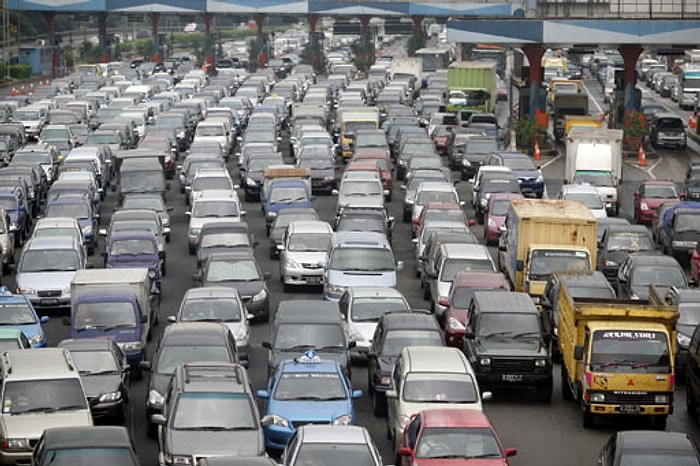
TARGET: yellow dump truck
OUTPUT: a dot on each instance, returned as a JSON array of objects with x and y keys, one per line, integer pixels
[
  {"x": 544, "y": 236},
  {"x": 581, "y": 121},
  {"x": 617, "y": 357}
]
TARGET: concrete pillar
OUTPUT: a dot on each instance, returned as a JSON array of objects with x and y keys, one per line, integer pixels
[
  {"x": 630, "y": 54},
  {"x": 534, "y": 55},
  {"x": 312, "y": 20},
  {"x": 49, "y": 16},
  {"x": 262, "y": 58},
  {"x": 208, "y": 17},
  {"x": 102, "y": 34},
  {"x": 417, "y": 25},
  {"x": 364, "y": 30},
  {"x": 259, "y": 20},
  {"x": 155, "y": 19}
]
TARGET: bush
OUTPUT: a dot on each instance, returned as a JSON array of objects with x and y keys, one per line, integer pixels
[
  {"x": 21, "y": 71},
  {"x": 2, "y": 71}
]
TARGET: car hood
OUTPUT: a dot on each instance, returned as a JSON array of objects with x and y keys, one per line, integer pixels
[
  {"x": 359, "y": 278},
  {"x": 654, "y": 203},
  {"x": 366, "y": 329},
  {"x": 245, "y": 289},
  {"x": 218, "y": 443},
  {"x": 44, "y": 280},
  {"x": 310, "y": 257},
  {"x": 519, "y": 347},
  {"x": 96, "y": 385},
  {"x": 458, "y": 462},
  {"x": 32, "y": 425},
  {"x": 310, "y": 411}
]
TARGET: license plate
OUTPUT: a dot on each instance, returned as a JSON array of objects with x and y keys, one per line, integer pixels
[
  {"x": 512, "y": 377},
  {"x": 630, "y": 409},
  {"x": 313, "y": 280},
  {"x": 49, "y": 302}
]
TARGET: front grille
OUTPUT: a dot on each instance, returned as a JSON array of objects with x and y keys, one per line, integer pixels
[
  {"x": 311, "y": 266},
  {"x": 513, "y": 365},
  {"x": 297, "y": 424},
  {"x": 641, "y": 398},
  {"x": 49, "y": 293}
]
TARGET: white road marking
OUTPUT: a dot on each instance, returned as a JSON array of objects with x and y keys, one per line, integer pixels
[
  {"x": 590, "y": 97},
  {"x": 549, "y": 162}
]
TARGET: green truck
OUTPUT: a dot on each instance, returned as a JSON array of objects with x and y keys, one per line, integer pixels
[
  {"x": 564, "y": 104},
  {"x": 472, "y": 85}
]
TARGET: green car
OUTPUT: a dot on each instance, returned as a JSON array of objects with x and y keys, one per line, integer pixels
[{"x": 13, "y": 339}]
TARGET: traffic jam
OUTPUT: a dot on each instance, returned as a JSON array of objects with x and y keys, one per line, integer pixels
[{"x": 356, "y": 265}]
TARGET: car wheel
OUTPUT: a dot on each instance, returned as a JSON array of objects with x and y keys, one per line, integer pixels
[
  {"x": 690, "y": 401},
  {"x": 151, "y": 430},
  {"x": 544, "y": 391},
  {"x": 406, "y": 216},
  {"x": 588, "y": 419},
  {"x": 379, "y": 405},
  {"x": 566, "y": 392},
  {"x": 659, "y": 422}
]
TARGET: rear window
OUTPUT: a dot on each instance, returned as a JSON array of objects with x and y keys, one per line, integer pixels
[{"x": 675, "y": 123}]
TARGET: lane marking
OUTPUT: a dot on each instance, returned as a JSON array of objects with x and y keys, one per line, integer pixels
[
  {"x": 549, "y": 162},
  {"x": 590, "y": 96}
]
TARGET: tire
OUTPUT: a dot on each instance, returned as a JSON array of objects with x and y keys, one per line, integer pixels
[
  {"x": 690, "y": 403},
  {"x": 163, "y": 269},
  {"x": 659, "y": 422},
  {"x": 286, "y": 287},
  {"x": 378, "y": 404},
  {"x": 151, "y": 430},
  {"x": 406, "y": 216},
  {"x": 544, "y": 391},
  {"x": 191, "y": 250},
  {"x": 588, "y": 419},
  {"x": 566, "y": 392},
  {"x": 426, "y": 292},
  {"x": 120, "y": 417}
]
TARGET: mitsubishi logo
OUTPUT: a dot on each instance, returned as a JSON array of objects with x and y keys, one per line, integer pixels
[{"x": 630, "y": 382}]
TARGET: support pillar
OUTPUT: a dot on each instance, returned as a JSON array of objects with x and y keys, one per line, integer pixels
[
  {"x": 630, "y": 54},
  {"x": 417, "y": 25},
  {"x": 102, "y": 34},
  {"x": 209, "y": 59},
  {"x": 312, "y": 20},
  {"x": 49, "y": 16},
  {"x": 313, "y": 40},
  {"x": 364, "y": 27},
  {"x": 534, "y": 55},
  {"x": 155, "y": 19},
  {"x": 262, "y": 58}
]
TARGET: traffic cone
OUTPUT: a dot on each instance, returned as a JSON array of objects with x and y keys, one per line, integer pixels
[
  {"x": 642, "y": 156},
  {"x": 22, "y": 90},
  {"x": 14, "y": 91},
  {"x": 692, "y": 122},
  {"x": 538, "y": 156},
  {"x": 31, "y": 88},
  {"x": 48, "y": 83}
]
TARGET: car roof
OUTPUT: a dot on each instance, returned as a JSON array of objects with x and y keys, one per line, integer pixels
[
  {"x": 436, "y": 358},
  {"x": 454, "y": 418},
  {"x": 307, "y": 310},
  {"x": 86, "y": 437},
  {"x": 658, "y": 181},
  {"x": 375, "y": 292},
  {"x": 579, "y": 188},
  {"x": 296, "y": 365},
  {"x": 356, "y": 238},
  {"x": 651, "y": 258},
  {"x": 56, "y": 222},
  {"x": 211, "y": 292},
  {"x": 499, "y": 301},
  {"x": 409, "y": 319},
  {"x": 334, "y": 434},
  {"x": 310, "y": 226},
  {"x": 188, "y": 333},
  {"x": 478, "y": 279},
  {"x": 466, "y": 250},
  {"x": 589, "y": 279},
  {"x": 640, "y": 440},
  {"x": 232, "y": 255},
  {"x": 87, "y": 344},
  {"x": 52, "y": 242}
]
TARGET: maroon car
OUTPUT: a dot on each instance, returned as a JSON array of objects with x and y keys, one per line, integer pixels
[
  {"x": 650, "y": 195},
  {"x": 495, "y": 216},
  {"x": 464, "y": 285}
]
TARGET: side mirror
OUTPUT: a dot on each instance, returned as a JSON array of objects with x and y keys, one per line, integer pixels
[
  {"x": 267, "y": 275},
  {"x": 158, "y": 419},
  {"x": 519, "y": 265},
  {"x": 469, "y": 335},
  {"x": 335, "y": 192},
  {"x": 44, "y": 319},
  {"x": 197, "y": 277},
  {"x": 144, "y": 318},
  {"x": 145, "y": 365},
  {"x": 267, "y": 420},
  {"x": 636, "y": 194},
  {"x": 486, "y": 396},
  {"x": 267, "y": 345},
  {"x": 404, "y": 451},
  {"x": 399, "y": 266},
  {"x": 510, "y": 452},
  {"x": 172, "y": 319},
  {"x": 352, "y": 344},
  {"x": 244, "y": 213},
  {"x": 262, "y": 394},
  {"x": 102, "y": 232},
  {"x": 391, "y": 394},
  {"x": 578, "y": 353},
  {"x": 471, "y": 222},
  {"x": 356, "y": 394}
]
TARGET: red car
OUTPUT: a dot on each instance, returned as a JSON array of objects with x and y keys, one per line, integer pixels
[
  {"x": 463, "y": 287},
  {"x": 440, "y": 211},
  {"x": 442, "y": 437},
  {"x": 651, "y": 194},
  {"x": 383, "y": 158},
  {"x": 442, "y": 137},
  {"x": 495, "y": 216},
  {"x": 695, "y": 267}
]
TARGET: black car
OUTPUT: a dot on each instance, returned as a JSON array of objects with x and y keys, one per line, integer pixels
[
  {"x": 104, "y": 372},
  {"x": 688, "y": 303},
  {"x": 642, "y": 269},
  {"x": 182, "y": 342},
  {"x": 617, "y": 243},
  {"x": 643, "y": 447},
  {"x": 223, "y": 237},
  {"x": 396, "y": 330},
  {"x": 64, "y": 446},
  {"x": 365, "y": 219},
  {"x": 506, "y": 343},
  {"x": 253, "y": 171},
  {"x": 668, "y": 129}
]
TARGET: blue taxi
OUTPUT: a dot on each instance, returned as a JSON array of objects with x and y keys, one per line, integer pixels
[
  {"x": 306, "y": 390},
  {"x": 17, "y": 312}
]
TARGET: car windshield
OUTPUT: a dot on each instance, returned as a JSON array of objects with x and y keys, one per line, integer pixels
[
  {"x": 443, "y": 197},
  {"x": 240, "y": 270},
  {"x": 104, "y": 315},
  {"x": 358, "y": 259},
  {"x": 462, "y": 296},
  {"x": 133, "y": 247},
  {"x": 371, "y": 309},
  {"x": 500, "y": 208},
  {"x": 288, "y": 195},
  {"x": 422, "y": 147},
  {"x": 630, "y": 241},
  {"x": 200, "y": 183},
  {"x": 458, "y": 442},
  {"x": 360, "y": 188},
  {"x": 283, "y": 220},
  {"x": 660, "y": 192},
  {"x": 316, "y": 386},
  {"x": 210, "y": 309},
  {"x": 436, "y": 387},
  {"x": 397, "y": 340},
  {"x": 16, "y": 314},
  {"x": 49, "y": 260},
  {"x": 95, "y": 362},
  {"x": 317, "y": 163},
  {"x": 645, "y": 275},
  {"x": 625, "y": 351},
  {"x": 8, "y": 202},
  {"x": 508, "y": 325},
  {"x": 142, "y": 181},
  {"x": 142, "y": 224},
  {"x": 51, "y": 395},
  {"x": 371, "y": 140},
  {"x": 337, "y": 454},
  {"x": 289, "y": 336},
  {"x": 101, "y": 139},
  {"x": 38, "y": 157},
  {"x": 600, "y": 179},
  {"x": 518, "y": 164},
  {"x": 172, "y": 356},
  {"x": 481, "y": 147},
  {"x": 425, "y": 162},
  {"x": 670, "y": 123},
  {"x": 203, "y": 209},
  {"x": 214, "y": 411},
  {"x": 361, "y": 223},
  {"x": 451, "y": 267},
  {"x": 210, "y": 131},
  {"x": 500, "y": 186},
  {"x": 72, "y": 210},
  {"x": 104, "y": 456},
  {"x": 154, "y": 203},
  {"x": 545, "y": 262},
  {"x": 231, "y": 240},
  {"x": 308, "y": 242}
]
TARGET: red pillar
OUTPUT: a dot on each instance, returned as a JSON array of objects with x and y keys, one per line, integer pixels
[
  {"x": 49, "y": 16},
  {"x": 208, "y": 17},
  {"x": 417, "y": 25},
  {"x": 534, "y": 53},
  {"x": 102, "y": 34},
  {"x": 259, "y": 20},
  {"x": 364, "y": 23},
  {"x": 155, "y": 19},
  {"x": 312, "y": 20},
  {"x": 630, "y": 54}
]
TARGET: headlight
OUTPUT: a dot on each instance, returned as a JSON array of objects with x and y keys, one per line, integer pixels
[
  {"x": 345, "y": 420},
  {"x": 355, "y": 334},
  {"x": 466, "y": 163},
  {"x": 272, "y": 214},
  {"x": 15, "y": 444},
  {"x": 26, "y": 291},
  {"x": 335, "y": 288},
  {"x": 410, "y": 201},
  {"x": 37, "y": 339},
  {"x": 683, "y": 340},
  {"x": 250, "y": 182},
  {"x": 484, "y": 202},
  {"x": 130, "y": 346},
  {"x": 194, "y": 232},
  {"x": 151, "y": 274},
  {"x": 280, "y": 421},
  {"x": 661, "y": 399},
  {"x": 403, "y": 421},
  {"x": 14, "y": 226},
  {"x": 260, "y": 296},
  {"x": 644, "y": 206},
  {"x": 540, "y": 362},
  {"x": 454, "y": 324},
  {"x": 598, "y": 398},
  {"x": 178, "y": 460},
  {"x": 181, "y": 135},
  {"x": 290, "y": 263},
  {"x": 539, "y": 179},
  {"x": 155, "y": 398},
  {"x": 241, "y": 333},
  {"x": 608, "y": 263},
  {"x": 484, "y": 361},
  {"x": 87, "y": 230},
  {"x": 328, "y": 178},
  {"x": 492, "y": 223},
  {"x": 386, "y": 380},
  {"x": 114, "y": 396}
]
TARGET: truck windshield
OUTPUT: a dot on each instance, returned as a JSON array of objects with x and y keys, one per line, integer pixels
[
  {"x": 625, "y": 350},
  {"x": 545, "y": 262},
  {"x": 104, "y": 315},
  {"x": 600, "y": 179}
]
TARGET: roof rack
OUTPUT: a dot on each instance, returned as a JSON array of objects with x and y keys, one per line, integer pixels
[{"x": 207, "y": 371}]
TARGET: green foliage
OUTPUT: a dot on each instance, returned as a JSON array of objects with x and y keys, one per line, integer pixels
[
  {"x": 90, "y": 53},
  {"x": 415, "y": 42},
  {"x": 21, "y": 71},
  {"x": 255, "y": 47},
  {"x": 526, "y": 130},
  {"x": 313, "y": 55},
  {"x": 145, "y": 47},
  {"x": 364, "y": 54},
  {"x": 123, "y": 48}
]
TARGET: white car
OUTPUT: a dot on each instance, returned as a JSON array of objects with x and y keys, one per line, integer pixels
[
  {"x": 212, "y": 205},
  {"x": 587, "y": 194},
  {"x": 303, "y": 252}
]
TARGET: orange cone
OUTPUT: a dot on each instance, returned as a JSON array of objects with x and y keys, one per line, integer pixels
[
  {"x": 31, "y": 87},
  {"x": 692, "y": 122},
  {"x": 14, "y": 91},
  {"x": 22, "y": 90},
  {"x": 538, "y": 156},
  {"x": 642, "y": 156}
]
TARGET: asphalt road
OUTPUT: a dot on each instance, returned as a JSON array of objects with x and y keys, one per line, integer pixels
[{"x": 543, "y": 434}]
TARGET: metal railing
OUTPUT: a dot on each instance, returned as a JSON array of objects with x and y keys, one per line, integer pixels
[{"x": 619, "y": 9}]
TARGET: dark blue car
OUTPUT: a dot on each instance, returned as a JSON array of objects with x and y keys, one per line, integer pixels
[
  {"x": 529, "y": 176},
  {"x": 135, "y": 249}
]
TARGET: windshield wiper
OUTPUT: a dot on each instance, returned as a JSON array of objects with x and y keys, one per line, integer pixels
[
  {"x": 330, "y": 348},
  {"x": 51, "y": 409},
  {"x": 616, "y": 362},
  {"x": 206, "y": 428},
  {"x": 496, "y": 334},
  {"x": 526, "y": 334},
  {"x": 105, "y": 372},
  {"x": 484, "y": 455}
]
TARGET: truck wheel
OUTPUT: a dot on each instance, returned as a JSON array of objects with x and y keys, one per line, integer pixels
[
  {"x": 544, "y": 391},
  {"x": 617, "y": 209},
  {"x": 378, "y": 404},
  {"x": 566, "y": 392},
  {"x": 151, "y": 430},
  {"x": 587, "y": 419},
  {"x": 406, "y": 216},
  {"x": 690, "y": 402},
  {"x": 659, "y": 422}
]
